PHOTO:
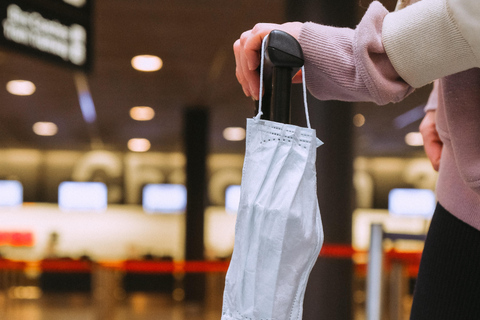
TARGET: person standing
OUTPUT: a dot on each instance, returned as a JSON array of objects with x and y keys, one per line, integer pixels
[{"x": 383, "y": 60}]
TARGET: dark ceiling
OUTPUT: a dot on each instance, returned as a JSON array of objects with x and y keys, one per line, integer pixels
[{"x": 194, "y": 38}]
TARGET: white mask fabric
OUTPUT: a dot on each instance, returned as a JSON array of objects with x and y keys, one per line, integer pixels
[{"x": 278, "y": 232}]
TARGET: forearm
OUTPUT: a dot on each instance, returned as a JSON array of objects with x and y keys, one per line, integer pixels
[
  {"x": 432, "y": 39},
  {"x": 351, "y": 65}
]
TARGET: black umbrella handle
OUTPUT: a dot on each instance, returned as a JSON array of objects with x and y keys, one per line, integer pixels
[{"x": 283, "y": 54}]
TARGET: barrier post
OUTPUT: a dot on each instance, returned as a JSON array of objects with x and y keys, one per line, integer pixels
[
  {"x": 105, "y": 284},
  {"x": 374, "y": 273},
  {"x": 396, "y": 291}
]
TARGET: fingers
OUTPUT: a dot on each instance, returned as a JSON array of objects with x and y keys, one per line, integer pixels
[
  {"x": 433, "y": 149},
  {"x": 247, "y": 57},
  {"x": 247, "y": 54},
  {"x": 253, "y": 43},
  {"x": 431, "y": 140},
  {"x": 246, "y": 77},
  {"x": 239, "y": 69}
]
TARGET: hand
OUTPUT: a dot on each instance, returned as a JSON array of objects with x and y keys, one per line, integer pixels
[
  {"x": 431, "y": 140},
  {"x": 247, "y": 53}
]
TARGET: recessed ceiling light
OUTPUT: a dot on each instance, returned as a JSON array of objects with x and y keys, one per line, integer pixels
[
  {"x": 76, "y": 3},
  {"x": 147, "y": 63},
  {"x": 139, "y": 145},
  {"x": 21, "y": 87},
  {"x": 45, "y": 128},
  {"x": 358, "y": 120},
  {"x": 142, "y": 113},
  {"x": 414, "y": 139},
  {"x": 234, "y": 134}
]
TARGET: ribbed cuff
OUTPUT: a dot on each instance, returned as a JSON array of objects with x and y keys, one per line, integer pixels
[
  {"x": 424, "y": 43},
  {"x": 329, "y": 63}
]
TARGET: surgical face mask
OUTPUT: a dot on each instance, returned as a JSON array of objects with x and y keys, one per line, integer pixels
[{"x": 278, "y": 233}]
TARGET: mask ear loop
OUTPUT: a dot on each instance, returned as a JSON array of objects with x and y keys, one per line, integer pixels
[
  {"x": 260, "y": 94},
  {"x": 304, "y": 85},
  {"x": 262, "y": 63}
]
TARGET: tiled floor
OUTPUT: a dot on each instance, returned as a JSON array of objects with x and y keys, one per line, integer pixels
[
  {"x": 134, "y": 306},
  {"x": 80, "y": 307}
]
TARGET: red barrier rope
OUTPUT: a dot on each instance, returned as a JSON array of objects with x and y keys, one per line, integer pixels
[
  {"x": 67, "y": 265},
  {"x": 12, "y": 265},
  {"x": 336, "y": 251}
]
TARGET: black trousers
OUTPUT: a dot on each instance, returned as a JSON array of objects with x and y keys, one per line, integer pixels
[{"x": 448, "y": 284}]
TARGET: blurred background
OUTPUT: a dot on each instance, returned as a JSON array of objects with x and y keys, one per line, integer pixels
[{"x": 122, "y": 136}]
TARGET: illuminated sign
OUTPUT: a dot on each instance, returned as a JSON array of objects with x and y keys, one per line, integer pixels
[
  {"x": 164, "y": 198},
  {"x": 16, "y": 239},
  {"x": 57, "y": 30}
]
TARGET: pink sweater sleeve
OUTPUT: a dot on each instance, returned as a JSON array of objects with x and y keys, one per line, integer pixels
[{"x": 351, "y": 65}]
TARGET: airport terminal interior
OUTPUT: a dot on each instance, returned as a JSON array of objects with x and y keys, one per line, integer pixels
[{"x": 122, "y": 141}]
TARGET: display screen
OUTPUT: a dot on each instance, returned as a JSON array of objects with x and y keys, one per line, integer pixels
[
  {"x": 164, "y": 198},
  {"x": 11, "y": 193},
  {"x": 232, "y": 198},
  {"x": 413, "y": 202},
  {"x": 82, "y": 195}
]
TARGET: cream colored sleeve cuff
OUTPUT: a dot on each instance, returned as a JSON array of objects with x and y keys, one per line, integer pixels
[{"x": 424, "y": 43}]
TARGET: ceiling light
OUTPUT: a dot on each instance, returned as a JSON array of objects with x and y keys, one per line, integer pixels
[
  {"x": 414, "y": 139},
  {"x": 234, "y": 134},
  {"x": 358, "y": 120},
  {"x": 45, "y": 128},
  {"x": 147, "y": 63},
  {"x": 21, "y": 87},
  {"x": 142, "y": 113},
  {"x": 76, "y": 3},
  {"x": 139, "y": 145}
]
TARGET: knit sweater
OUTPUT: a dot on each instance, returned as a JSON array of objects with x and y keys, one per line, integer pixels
[{"x": 390, "y": 54}]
